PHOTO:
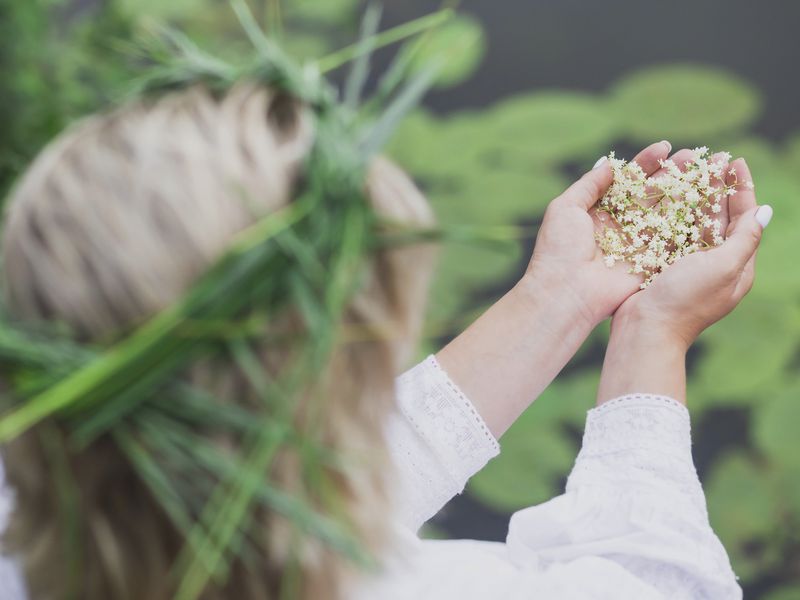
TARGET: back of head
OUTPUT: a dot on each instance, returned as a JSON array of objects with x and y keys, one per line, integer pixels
[{"x": 113, "y": 223}]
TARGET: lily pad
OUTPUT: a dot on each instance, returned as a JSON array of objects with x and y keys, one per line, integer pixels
[
  {"x": 742, "y": 509},
  {"x": 550, "y": 127},
  {"x": 787, "y": 592},
  {"x": 775, "y": 427},
  {"x": 684, "y": 103},
  {"x": 527, "y": 472},
  {"x": 537, "y": 452},
  {"x": 498, "y": 197},
  {"x": 746, "y": 352}
]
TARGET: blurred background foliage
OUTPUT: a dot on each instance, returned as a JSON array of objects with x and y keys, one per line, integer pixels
[{"x": 500, "y": 161}]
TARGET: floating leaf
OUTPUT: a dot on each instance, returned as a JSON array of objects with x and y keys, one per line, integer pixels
[
  {"x": 746, "y": 352},
  {"x": 792, "y": 155},
  {"x": 537, "y": 453},
  {"x": 742, "y": 510},
  {"x": 684, "y": 103},
  {"x": 524, "y": 134},
  {"x": 498, "y": 197},
  {"x": 527, "y": 472},
  {"x": 463, "y": 270},
  {"x": 775, "y": 427},
  {"x": 548, "y": 127},
  {"x": 788, "y": 592}
]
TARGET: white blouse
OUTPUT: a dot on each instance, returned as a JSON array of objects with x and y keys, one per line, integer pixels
[{"x": 632, "y": 523}]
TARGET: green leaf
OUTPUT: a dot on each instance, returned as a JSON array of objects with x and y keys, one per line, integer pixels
[
  {"x": 463, "y": 269},
  {"x": 537, "y": 452},
  {"x": 460, "y": 44},
  {"x": 534, "y": 457},
  {"x": 495, "y": 196},
  {"x": 743, "y": 355},
  {"x": 785, "y": 592},
  {"x": 775, "y": 426},
  {"x": 548, "y": 127},
  {"x": 529, "y": 133},
  {"x": 684, "y": 103},
  {"x": 742, "y": 509}
]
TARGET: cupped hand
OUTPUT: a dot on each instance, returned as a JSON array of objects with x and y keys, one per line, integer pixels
[
  {"x": 700, "y": 289},
  {"x": 567, "y": 262}
]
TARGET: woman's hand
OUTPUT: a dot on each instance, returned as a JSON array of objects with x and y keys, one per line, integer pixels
[
  {"x": 567, "y": 263},
  {"x": 654, "y": 328},
  {"x": 509, "y": 355}
]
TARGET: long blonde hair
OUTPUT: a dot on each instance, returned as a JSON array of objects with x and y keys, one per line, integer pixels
[{"x": 112, "y": 223}]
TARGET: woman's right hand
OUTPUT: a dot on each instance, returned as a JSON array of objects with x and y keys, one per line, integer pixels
[
  {"x": 700, "y": 289},
  {"x": 652, "y": 330}
]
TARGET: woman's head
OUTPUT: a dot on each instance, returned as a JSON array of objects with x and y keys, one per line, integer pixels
[{"x": 114, "y": 222}]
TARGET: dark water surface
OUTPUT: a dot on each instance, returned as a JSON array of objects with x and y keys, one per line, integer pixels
[{"x": 588, "y": 44}]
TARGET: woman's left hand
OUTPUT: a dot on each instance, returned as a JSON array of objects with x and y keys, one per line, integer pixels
[{"x": 567, "y": 265}]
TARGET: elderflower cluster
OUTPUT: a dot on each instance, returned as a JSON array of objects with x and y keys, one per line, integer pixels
[{"x": 652, "y": 222}]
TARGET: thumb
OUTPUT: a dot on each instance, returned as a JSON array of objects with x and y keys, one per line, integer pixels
[
  {"x": 585, "y": 192},
  {"x": 742, "y": 243}
]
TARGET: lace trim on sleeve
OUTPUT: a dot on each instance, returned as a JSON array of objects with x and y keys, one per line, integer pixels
[
  {"x": 639, "y": 437},
  {"x": 438, "y": 440}
]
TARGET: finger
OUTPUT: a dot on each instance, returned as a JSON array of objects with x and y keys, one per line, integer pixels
[
  {"x": 649, "y": 158},
  {"x": 680, "y": 158},
  {"x": 747, "y": 277},
  {"x": 585, "y": 192},
  {"x": 746, "y": 235},
  {"x": 745, "y": 198}
]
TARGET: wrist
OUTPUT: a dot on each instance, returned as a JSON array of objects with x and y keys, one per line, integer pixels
[
  {"x": 563, "y": 299},
  {"x": 643, "y": 357},
  {"x": 632, "y": 325}
]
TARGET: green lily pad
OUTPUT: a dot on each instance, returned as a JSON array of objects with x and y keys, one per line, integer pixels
[
  {"x": 463, "y": 270},
  {"x": 785, "y": 592},
  {"x": 537, "y": 452},
  {"x": 742, "y": 509},
  {"x": 549, "y": 127},
  {"x": 497, "y": 197},
  {"x": 775, "y": 426},
  {"x": 527, "y": 472},
  {"x": 746, "y": 352},
  {"x": 792, "y": 155},
  {"x": 684, "y": 103}
]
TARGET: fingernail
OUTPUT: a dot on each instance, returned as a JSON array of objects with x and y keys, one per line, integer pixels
[
  {"x": 764, "y": 215},
  {"x": 669, "y": 146},
  {"x": 600, "y": 161}
]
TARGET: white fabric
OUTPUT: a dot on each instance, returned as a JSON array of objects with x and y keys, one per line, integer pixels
[
  {"x": 632, "y": 523},
  {"x": 437, "y": 440},
  {"x": 11, "y": 587}
]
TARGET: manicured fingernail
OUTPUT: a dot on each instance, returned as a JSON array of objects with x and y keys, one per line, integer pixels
[
  {"x": 669, "y": 146},
  {"x": 600, "y": 161},
  {"x": 764, "y": 215}
]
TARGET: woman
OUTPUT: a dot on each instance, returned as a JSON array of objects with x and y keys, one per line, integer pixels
[{"x": 119, "y": 216}]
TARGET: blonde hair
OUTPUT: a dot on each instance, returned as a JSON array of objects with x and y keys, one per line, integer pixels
[{"x": 112, "y": 223}]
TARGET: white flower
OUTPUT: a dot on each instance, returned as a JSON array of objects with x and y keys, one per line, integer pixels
[{"x": 651, "y": 238}]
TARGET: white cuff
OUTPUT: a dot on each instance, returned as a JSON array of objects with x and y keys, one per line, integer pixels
[{"x": 438, "y": 441}]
